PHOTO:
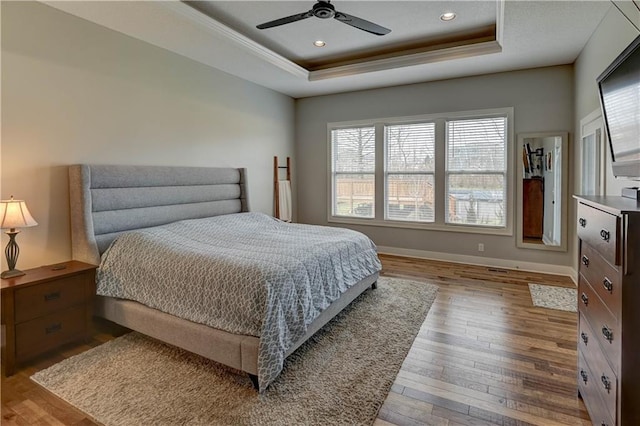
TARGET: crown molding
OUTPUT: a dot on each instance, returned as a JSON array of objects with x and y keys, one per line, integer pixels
[
  {"x": 219, "y": 29},
  {"x": 450, "y": 53}
]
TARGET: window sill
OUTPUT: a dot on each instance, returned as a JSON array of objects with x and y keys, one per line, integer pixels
[{"x": 423, "y": 226}]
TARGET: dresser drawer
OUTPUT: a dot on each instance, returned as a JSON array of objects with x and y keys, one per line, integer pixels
[
  {"x": 39, "y": 300},
  {"x": 603, "y": 323},
  {"x": 603, "y": 277},
  {"x": 41, "y": 334},
  {"x": 588, "y": 387},
  {"x": 600, "y": 230},
  {"x": 605, "y": 377}
]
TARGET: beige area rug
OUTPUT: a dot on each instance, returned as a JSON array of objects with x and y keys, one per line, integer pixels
[
  {"x": 341, "y": 376},
  {"x": 552, "y": 297}
]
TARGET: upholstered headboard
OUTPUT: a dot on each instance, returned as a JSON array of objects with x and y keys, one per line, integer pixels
[{"x": 108, "y": 200}]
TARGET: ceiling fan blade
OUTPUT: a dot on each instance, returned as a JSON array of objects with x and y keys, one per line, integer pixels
[
  {"x": 361, "y": 24},
  {"x": 287, "y": 20}
]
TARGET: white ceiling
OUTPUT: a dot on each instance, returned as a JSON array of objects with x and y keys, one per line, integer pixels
[
  {"x": 526, "y": 34},
  {"x": 411, "y": 22}
]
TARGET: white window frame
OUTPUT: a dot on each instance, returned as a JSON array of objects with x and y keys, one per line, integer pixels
[
  {"x": 448, "y": 172},
  {"x": 440, "y": 173},
  {"x": 386, "y": 173},
  {"x": 333, "y": 174}
]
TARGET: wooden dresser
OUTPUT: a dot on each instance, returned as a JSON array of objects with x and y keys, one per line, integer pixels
[
  {"x": 609, "y": 306},
  {"x": 45, "y": 308},
  {"x": 532, "y": 208}
]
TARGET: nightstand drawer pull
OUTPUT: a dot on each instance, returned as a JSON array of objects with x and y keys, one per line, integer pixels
[
  {"x": 585, "y": 260},
  {"x": 52, "y": 296},
  {"x": 608, "y": 285},
  {"x": 584, "y": 376},
  {"x": 607, "y": 333},
  {"x": 53, "y": 328},
  {"x": 606, "y": 383},
  {"x": 585, "y": 300},
  {"x": 582, "y": 221},
  {"x": 605, "y": 235},
  {"x": 585, "y": 338}
]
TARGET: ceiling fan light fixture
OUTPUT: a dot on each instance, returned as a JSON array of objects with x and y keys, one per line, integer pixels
[
  {"x": 319, "y": 43},
  {"x": 448, "y": 16}
]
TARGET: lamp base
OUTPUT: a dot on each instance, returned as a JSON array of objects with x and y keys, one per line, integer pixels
[{"x": 11, "y": 274}]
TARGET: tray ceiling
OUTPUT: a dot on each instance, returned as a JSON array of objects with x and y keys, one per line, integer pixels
[{"x": 486, "y": 36}]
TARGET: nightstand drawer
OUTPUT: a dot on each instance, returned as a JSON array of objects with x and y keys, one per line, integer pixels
[
  {"x": 39, "y": 300},
  {"x": 603, "y": 323},
  {"x": 603, "y": 277},
  {"x": 41, "y": 334},
  {"x": 601, "y": 230}
]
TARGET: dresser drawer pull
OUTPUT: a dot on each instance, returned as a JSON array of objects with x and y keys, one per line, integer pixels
[
  {"x": 52, "y": 296},
  {"x": 584, "y": 376},
  {"x": 607, "y": 333},
  {"x": 585, "y": 300},
  {"x": 585, "y": 338},
  {"x": 606, "y": 383},
  {"x": 582, "y": 221},
  {"x": 605, "y": 235},
  {"x": 585, "y": 260},
  {"x": 53, "y": 328},
  {"x": 608, "y": 285}
]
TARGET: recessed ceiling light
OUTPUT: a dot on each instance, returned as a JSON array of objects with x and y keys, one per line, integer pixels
[
  {"x": 448, "y": 16},
  {"x": 319, "y": 43}
]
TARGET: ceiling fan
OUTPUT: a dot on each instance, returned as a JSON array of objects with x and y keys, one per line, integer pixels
[{"x": 323, "y": 9}]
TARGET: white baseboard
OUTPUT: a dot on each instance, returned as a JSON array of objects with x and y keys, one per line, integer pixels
[{"x": 483, "y": 261}]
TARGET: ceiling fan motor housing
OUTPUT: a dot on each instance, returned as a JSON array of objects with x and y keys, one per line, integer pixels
[{"x": 323, "y": 10}]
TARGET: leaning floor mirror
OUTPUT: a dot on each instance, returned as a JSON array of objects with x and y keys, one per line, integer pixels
[{"x": 542, "y": 187}]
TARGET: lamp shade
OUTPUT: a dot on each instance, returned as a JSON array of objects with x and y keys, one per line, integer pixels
[{"x": 15, "y": 214}]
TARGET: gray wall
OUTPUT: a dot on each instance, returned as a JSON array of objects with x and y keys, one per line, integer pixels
[
  {"x": 74, "y": 92},
  {"x": 611, "y": 37},
  {"x": 542, "y": 100}
]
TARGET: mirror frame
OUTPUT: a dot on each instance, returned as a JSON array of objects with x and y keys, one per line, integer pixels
[{"x": 565, "y": 188}]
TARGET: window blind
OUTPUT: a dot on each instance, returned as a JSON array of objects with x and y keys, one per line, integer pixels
[
  {"x": 410, "y": 147},
  {"x": 477, "y": 144},
  {"x": 354, "y": 150},
  {"x": 476, "y": 171},
  {"x": 409, "y": 172},
  {"x": 353, "y": 171}
]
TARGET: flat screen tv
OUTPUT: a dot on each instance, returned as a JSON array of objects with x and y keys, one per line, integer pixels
[{"x": 619, "y": 87}]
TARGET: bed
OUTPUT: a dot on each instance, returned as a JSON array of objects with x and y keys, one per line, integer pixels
[{"x": 140, "y": 206}]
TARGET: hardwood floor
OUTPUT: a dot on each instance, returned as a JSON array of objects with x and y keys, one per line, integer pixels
[{"x": 484, "y": 356}]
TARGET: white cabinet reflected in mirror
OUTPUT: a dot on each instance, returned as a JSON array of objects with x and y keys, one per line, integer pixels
[{"x": 542, "y": 191}]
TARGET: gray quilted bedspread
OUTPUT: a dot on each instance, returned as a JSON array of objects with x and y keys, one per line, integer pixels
[{"x": 244, "y": 273}]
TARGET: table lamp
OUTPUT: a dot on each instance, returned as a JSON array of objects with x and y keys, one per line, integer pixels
[{"x": 13, "y": 214}]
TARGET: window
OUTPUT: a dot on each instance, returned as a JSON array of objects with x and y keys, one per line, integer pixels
[
  {"x": 409, "y": 172},
  {"x": 442, "y": 171},
  {"x": 353, "y": 172},
  {"x": 476, "y": 171}
]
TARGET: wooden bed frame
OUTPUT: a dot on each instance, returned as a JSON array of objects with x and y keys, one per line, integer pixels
[{"x": 106, "y": 201}]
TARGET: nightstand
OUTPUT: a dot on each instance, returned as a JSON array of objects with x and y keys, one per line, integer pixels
[{"x": 44, "y": 309}]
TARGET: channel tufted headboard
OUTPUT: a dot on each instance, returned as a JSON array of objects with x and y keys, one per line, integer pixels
[{"x": 108, "y": 200}]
